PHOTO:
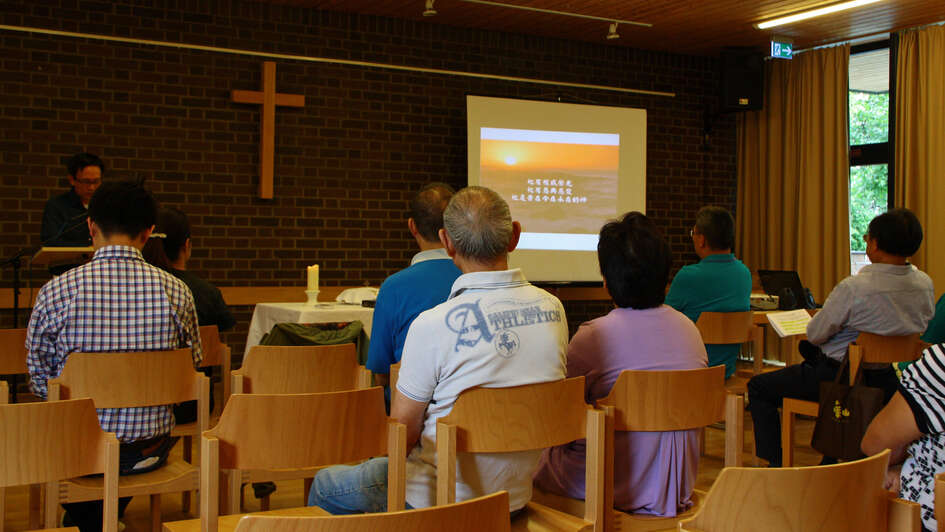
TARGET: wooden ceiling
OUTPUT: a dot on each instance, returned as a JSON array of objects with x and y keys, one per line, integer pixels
[{"x": 699, "y": 27}]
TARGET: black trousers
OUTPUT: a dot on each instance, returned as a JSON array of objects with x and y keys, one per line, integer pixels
[{"x": 766, "y": 393}]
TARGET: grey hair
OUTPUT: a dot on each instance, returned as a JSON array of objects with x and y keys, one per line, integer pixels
[{"x": 478, "y": 222}]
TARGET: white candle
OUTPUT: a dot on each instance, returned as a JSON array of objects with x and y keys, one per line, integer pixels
[{"x": 313, "y": 277}]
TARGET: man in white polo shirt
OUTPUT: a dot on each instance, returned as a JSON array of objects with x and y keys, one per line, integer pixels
[{"x": 495, "y": 330}]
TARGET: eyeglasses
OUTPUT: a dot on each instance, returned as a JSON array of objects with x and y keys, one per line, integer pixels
[{"x": 89, "y": 182}]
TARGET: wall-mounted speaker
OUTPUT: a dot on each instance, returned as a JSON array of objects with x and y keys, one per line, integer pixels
[{"x": 742, "y": 80}]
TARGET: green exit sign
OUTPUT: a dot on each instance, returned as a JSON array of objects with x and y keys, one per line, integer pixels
[{"x": 781, "y": 50}]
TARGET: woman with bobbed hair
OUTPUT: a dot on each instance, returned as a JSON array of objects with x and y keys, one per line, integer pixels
[{"x": 654, "y": 472}]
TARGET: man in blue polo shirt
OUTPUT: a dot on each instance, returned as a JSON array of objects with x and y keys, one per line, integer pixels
[
  {"x": 717, "y": 283},
  {"x": 423, "y": 285}
]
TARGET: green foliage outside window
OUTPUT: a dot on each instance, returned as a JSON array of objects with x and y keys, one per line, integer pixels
[{"x": 869, "y": 124}]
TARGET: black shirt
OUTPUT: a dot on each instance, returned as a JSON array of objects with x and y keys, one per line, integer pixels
[
  {"x": 211, "y": 309},
  {"x": 61, "y": 213}
]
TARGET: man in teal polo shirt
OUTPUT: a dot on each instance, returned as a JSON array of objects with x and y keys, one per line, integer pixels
[{"x": 717, "y": 283}]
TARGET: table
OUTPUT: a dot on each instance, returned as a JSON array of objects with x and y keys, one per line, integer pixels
[{"x": 266, "y": 315}]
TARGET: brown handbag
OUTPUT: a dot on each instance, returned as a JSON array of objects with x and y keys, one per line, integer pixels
[{"x": 844, "y": 414}]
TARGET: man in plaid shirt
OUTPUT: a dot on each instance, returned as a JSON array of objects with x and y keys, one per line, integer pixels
[{"x": 117, "y": 302}]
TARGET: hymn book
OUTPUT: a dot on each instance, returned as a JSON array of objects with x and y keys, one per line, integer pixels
[{"x": 789, "y": 323}]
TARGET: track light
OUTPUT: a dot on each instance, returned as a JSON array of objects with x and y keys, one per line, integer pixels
[
  {"x": 429, "y": 11},
  {"x": 612, "y": 32}
]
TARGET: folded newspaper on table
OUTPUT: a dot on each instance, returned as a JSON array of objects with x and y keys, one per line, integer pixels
[{"x": 789, "y": 323}]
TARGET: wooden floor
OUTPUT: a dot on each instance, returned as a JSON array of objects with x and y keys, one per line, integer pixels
[{"x": 290, "y": 493}]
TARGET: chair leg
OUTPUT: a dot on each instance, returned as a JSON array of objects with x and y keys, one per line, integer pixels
[
  {"x": 787, "y": 437},
  {"x": 264, "y": 504},
  {"x": 702, "y": 441},
  {"x": 306, "y": 489},
  {"x": 187, "y": 455},
  {"x": 36, "y": 506},
  {"x": 156, "y": 512}
]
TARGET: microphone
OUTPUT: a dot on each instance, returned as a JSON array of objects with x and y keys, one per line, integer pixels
[{"x": 70, "y": 224}]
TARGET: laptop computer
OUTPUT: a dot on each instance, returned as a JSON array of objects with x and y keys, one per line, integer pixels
[{"x": 786, "y": 284}]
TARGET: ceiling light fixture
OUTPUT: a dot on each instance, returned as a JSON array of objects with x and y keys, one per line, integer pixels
[
  {"x": 612, "y": 32},
  {"x": 804, "y": 15},
  {"x": 429, "y": 11}
]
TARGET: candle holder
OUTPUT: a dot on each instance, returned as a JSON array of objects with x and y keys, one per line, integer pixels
[{"x": 312, "y": 297}]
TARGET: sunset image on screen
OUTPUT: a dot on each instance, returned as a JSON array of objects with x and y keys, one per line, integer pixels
[{"x": 554, "y": 181}]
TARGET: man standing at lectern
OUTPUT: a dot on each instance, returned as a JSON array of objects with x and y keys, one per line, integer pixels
[
  {"x": 421, "y": 286},
  {"x": 63, "y": 217}
]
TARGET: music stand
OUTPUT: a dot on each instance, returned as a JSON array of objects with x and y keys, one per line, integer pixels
[{"x": 778, "y": 282}]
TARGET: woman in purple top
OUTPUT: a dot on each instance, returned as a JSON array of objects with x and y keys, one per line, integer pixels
[{"x": 654, "y": 472}]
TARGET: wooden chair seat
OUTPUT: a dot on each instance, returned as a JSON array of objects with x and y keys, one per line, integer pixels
[
  {"x": 175, "y": 476},
  {"x": 623, "y": 521},
  {"x": 227, "y": 523}
]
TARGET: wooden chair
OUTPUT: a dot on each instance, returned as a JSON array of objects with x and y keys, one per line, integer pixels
[
  {"x": 48, "y": 442},
  {"x": 733, "y": 328},
  {"x": 842, "y": 497},
  {"x": 394, "y": 375},
  {"x": 497, "y": 420},
  {"x": 298, "y": 431},
  {"x": 215, "y": 354},
  {"x": 293, "y": 369},
  {"x": 135, "y": 379},
  {"x": 484, "y": 514},
  {"x": 650, "y": 401},
  {"x": 868, "y": 348},
  {"x": 12, "y": 358}
]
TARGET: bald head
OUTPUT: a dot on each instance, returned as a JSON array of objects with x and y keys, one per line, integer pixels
[
  {"x": 426, "y": 209},
  {"x": 478, "y": 222}
]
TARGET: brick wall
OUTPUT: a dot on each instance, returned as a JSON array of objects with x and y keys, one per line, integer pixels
[{"x": 347, "y": 162}]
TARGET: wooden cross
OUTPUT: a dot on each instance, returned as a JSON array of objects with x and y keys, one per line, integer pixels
[{"x": 269, "y": 99}]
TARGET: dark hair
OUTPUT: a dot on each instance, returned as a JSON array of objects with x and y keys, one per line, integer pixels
[
  {"x": 80, "y": 160},
  {"x": 897, "y": 232},
  {"x": 717, "y": 226},
  {"x": 170, "y": 234},
  {"x": 634, "y": 260},
  {"x": 122, "y": 207},
  {"x": 426, "y": 209}
]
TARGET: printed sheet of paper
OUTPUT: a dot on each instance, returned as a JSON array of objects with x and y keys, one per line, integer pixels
[{"x": 789, "y": 323}]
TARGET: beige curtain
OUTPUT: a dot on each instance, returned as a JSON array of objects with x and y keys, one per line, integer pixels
[
  {"x": 794, "y": 174},
  {"x": 920, "y": 141}
]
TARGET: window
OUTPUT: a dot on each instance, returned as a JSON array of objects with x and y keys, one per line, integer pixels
[{"x": 869, "y": 111}]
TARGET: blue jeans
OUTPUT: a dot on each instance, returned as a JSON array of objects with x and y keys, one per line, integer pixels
[{"x": 341, "y": 490}]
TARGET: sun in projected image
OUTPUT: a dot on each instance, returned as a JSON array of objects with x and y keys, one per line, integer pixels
[{"x": 510, "y": 160}]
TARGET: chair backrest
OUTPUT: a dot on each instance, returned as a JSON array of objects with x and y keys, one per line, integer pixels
[
  {"x": 13, "y": 351},
  {"x": 299, "y": 431},
  {"x": 657, "y": 401},
  {"x": 484, "y": 514},
  {"x": 872, "y": 348},
  {"x": 48, "y": 442},
  {"x": 213, "y": 349},
  {"x": 725, "y": 327},
  {"x": 497, "y": 420},
  {"x": 280, "y": 369},
  {"x": 255, "y": 430},
  {"x": 520, "y": 418},
  {"x": 133, "y": 379},
  {"x": 842, "y": 497}
]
